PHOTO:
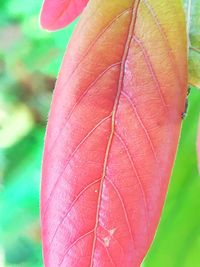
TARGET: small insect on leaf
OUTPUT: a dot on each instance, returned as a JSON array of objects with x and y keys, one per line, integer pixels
[{"x": 183, "y": 115}]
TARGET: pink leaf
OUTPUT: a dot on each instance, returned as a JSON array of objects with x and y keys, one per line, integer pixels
[
  {"x": 57, "y": 14},
  {"x": 113, "y": 132}
]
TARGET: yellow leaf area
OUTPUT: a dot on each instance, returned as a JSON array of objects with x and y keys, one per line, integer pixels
[{"x": 20, "y": 119}]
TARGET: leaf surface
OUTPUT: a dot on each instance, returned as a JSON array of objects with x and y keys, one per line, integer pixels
[
  {"x": 193, "y": 22},
  {"x": 57, "y": 14},
  {"x": 113, "y": 132}
]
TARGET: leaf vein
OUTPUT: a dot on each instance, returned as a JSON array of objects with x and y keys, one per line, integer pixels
[
  {"x": 71, "y": 206},
  {"x": 151, "y": 70},
  {"x": 107, "y": 251},
  {"x": 137, "y": 175},
  {"x": 141, "y": 123},
  {"x": 134, "y": 9},
  {"x": 71, "y": 156},
  {"x": 80, "y": 99},
  {"x": 123, "y": 207},
  {"x": 74, "y": 243},
  {"x": 165, "y": 39}
]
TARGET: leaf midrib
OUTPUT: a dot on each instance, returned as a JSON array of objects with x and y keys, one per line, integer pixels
[{"x": 134, "y": 9}]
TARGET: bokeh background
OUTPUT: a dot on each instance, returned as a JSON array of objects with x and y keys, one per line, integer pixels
[{"x": 29, "y": 62}]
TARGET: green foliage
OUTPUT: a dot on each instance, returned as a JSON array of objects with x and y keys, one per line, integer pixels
[
  {"x": 26, "y": 43},
  {"x": 19, "y": 201},
  {"x": 29, "y": 62},
  {"x": 192, "y": 8},
  {"x": 177, "y": 242}
]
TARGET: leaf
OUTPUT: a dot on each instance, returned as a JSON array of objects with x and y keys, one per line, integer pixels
[
  {"x": 193, "y": 21},
  {"x": 20, "y": 119},
  {"x": 112, "y": 133},
  {"x": 20, "y": 196},
  {"x": 57, "y": 14}
]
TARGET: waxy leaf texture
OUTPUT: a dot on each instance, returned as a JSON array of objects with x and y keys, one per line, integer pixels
[
  {"x": 113, "y": 132},
  {"x": 56, "y": 14}
]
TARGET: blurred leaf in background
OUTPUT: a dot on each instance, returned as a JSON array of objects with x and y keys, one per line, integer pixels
[
  {"x": 177, "y": 243},
  {"x": 192, "y": 8},
  {"x": 29, "y": 62}
]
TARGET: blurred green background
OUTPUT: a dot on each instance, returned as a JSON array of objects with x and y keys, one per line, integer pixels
[{"x": 29, "y": 62}]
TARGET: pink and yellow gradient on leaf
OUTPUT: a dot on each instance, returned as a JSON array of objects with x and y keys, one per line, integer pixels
[{"x": 113, "y": 130}]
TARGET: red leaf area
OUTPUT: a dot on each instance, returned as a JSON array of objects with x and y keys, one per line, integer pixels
[{"x": 112, "y": 136}]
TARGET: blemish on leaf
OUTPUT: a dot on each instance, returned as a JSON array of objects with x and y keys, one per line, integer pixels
[
  {"x": 112, "y": 231},
  {"x": 106, "y": 241}
]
